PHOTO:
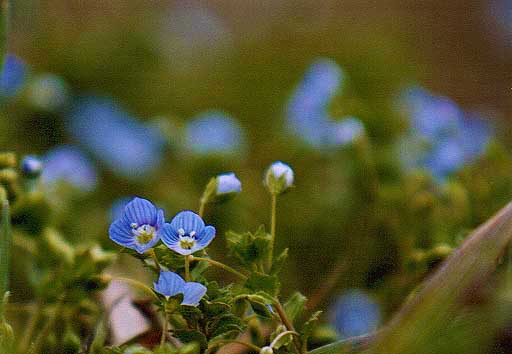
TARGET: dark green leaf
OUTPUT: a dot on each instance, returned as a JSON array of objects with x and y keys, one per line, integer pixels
[
  {"x": 263, "y": 282},
  {"x": 295, "y": 305},
  {"x": 191, "y": 336}
]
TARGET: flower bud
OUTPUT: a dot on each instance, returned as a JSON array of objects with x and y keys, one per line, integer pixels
[
  {"x": 31, "y": 166},
  {"x": 278, "y": 178},
  {"x": 266, "y": 350},
  {"x": 222, "y": 188}
]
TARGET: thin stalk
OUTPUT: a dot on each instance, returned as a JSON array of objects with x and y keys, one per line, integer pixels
[
  {"x": 202, "y": 207},
  {"x": 155, "y": 259},
  {"x": 165, "y": 327},
  {"x": 281, "y": 335},
  {"x": 134, "y": 283},
  {"x": 287, "y": 323},
  {"x": 187, "y": 268},
  {"x": 219, "y": 265},
  {"x": 272, "y": 231}
]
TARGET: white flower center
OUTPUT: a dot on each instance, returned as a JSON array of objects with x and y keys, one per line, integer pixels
[
  {"x": 144, "y": 233},
  {"x": 187, "y": 241}
]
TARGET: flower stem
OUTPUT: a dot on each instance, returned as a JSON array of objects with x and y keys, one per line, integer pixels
[
  {"x": 286, "y": 322},
  {"x": 134, "y": 283},
  {"x": 281, "y": 335},
  {"x": 219, "y": 265},
  {"x": 165, "y": 326},
  {"x": 187, "y": 267},
  {"x": 155, "y": 259},
  {"x": 272, "y": 231},
  {"x": 202, "y": 207}
]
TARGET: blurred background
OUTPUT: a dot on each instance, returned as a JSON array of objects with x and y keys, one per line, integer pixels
[{"x": 395, "y": 116}]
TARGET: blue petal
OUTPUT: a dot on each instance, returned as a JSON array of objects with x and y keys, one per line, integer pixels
[
  {"x": 169, "y": 237},
  {"x": 193, "y": 293},
  {"x": 188, "y": 221},
  {"x": 205, "y": 237},
  {"x": 169, "y": 284},
  {"x": 140, "y": 211},
  {"x": 121, "y": 234},
  {"x": 160, "y": 220}
]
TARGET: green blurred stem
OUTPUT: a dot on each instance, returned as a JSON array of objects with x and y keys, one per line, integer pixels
[
  {"x": 29, "y": 329},
  {"x": 165, "y": 327},
  {"x": 272, "y": 231},
  {"x": 287, "y": 323},
  {"x": 219, "y": 265},
  {"x": 5, "y": 245},
  {"x": 202, "y": 207},
  {"x": 155, "y": 259},
  {"x": 41, "y": 337},
  {"x": 187, "y": 267},
  {"x": 134, "y": 283}
]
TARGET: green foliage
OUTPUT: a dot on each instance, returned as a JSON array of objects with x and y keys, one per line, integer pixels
[{"x": 249, "y": 249}]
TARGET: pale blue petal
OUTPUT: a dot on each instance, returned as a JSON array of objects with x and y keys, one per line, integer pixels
[
  {"x": 205, "y": 237},
  {"x": 193, "y": 293},
  {"x": 188, "y": 221},
  {"x": 169, "y": 284},
  {"x": 169, "y": 237},
  {"x": 141, "y": 211},
  {"x": 121, "y": 234}
]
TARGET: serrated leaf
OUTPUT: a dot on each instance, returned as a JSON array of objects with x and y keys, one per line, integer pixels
[
  {"x": 191, "y": 336},
  {"x": 278, "y": 263},
  {"x": 295, "y": 305},
  {"x": 249, "y": 249},
  {"x": 263, "y": 282}
]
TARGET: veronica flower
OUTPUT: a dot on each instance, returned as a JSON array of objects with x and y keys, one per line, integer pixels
[
  {"x": 214, "y": 132},
  {"x": 279, "y": 177},
  {"x": 228, "y": 183},
  {"x": 186, "y": 233},
  {"x": 13, "y": 75},
  {"x": 140, "y": 226},
  {"x": 355, "y": 314},
  {"x": 307, "y": 111},
  {"x": 69, "y": 164},
  {"x": 171, "y": 284},
  {"x": 126, "y": 145}
]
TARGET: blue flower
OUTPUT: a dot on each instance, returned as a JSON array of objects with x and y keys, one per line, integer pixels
[
  {"x": 279, "y": 177},
  {"x": 171, "y": 284},
  {"x": 355, "y": 314},
  {"x": 214, "y": 132},
  {"x": 442, "y": 137},
  {"x": 31, "y": 166},
  {"x": 228, "y": 183},
  {"x": 186, "y": 233},
  {"x": 127, "y": 146},
  {"x": 307, "y": 113},
  {"x": 347, "y": 130},
  {"x": 140, "y": 226},
  {"x": 69, "y": 164},
  {"x": 12, "y": 76}
]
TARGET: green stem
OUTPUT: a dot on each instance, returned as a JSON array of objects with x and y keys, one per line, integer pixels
[
  {"x": 165, "y": 327},
  {"x": 272, "y": 231},
  {"x": 219, "y": 265},
  {"x": 5, "y": 245},
  {"x": 29, "y": 330},
  {"x": 202, "y": 207},
  {"x": 41, "y": 337},
  {"x": 187, "y": 267},
  {"x": 286, "y": 322},
  {"x": 281, "y": 335},
  {"x": 155, "y": 259},
  {"x": 134, "y": 283}
]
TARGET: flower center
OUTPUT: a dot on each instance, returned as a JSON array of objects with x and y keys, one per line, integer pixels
[
  {"x": 187, "y": 241},
  {"x": 144, "y": 233}
]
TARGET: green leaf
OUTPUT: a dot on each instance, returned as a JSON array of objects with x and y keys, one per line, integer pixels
[
  {"x": 441, "y": 316},
  {"x": 295, "y": 305},
  {"x": 191, "y": 336},
  {"x": 263, "y": 282},
  {"x": 278, "y": 263},
  {"x": 5, "y": 243},
  {"x": 249, "y": 249},
  {"x": 4, "y": 6}
]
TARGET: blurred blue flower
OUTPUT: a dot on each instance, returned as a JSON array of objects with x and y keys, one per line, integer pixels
[
  {"x": 171, "y": 284},
  {"x": 214, "y": 132},
  {"x": 31, "y": 166},
  {"x": 127, "y": 146},
  {"x": 347, "y": 130},
  {"x": 140, "y": 226},
  {"x": 442, "y": 137},
  {"x": 48, "y": 92},
  {"x": 186, "y": 233},
  {"x": 355, "y": 314},
  {"x": 228, "y": 183},
  {"x": 307, "y": 113},
  {"x": 69, "y": 164},
  {"x": 13, "y": 76}
]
